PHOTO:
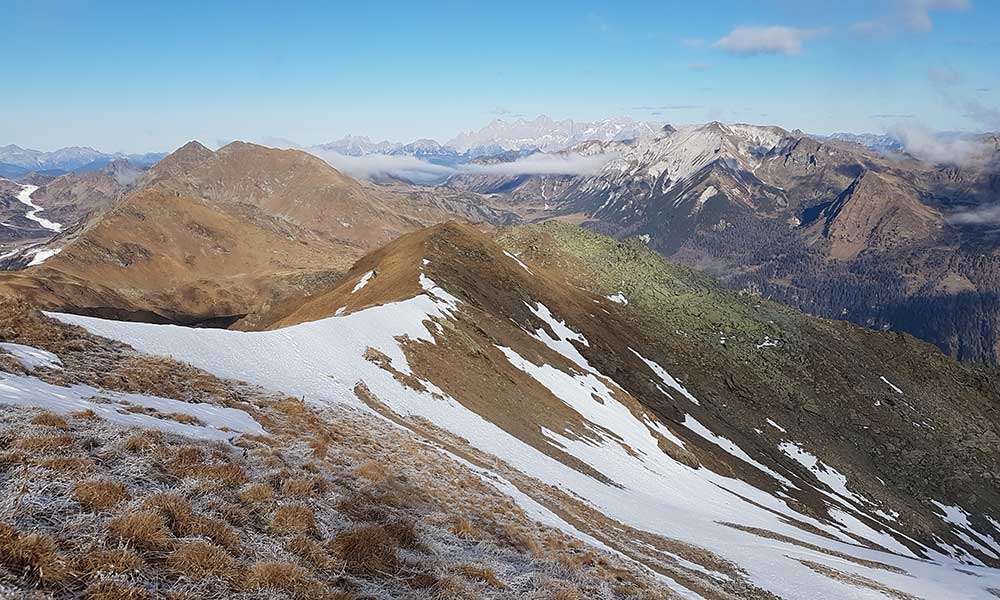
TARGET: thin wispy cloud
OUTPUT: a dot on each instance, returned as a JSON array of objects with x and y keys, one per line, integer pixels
[
  {"x": 945, "y": 82},
  {"x": 915, "y": 15},
  {"x": 699, "y": 66},
  {"x": 773, "y": 39},
  {"x": 871, "y": 29},
  {"x": 942, "y": 76}
]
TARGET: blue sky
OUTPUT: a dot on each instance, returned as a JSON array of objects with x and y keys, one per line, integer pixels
[{"x": 132, "y": 77}]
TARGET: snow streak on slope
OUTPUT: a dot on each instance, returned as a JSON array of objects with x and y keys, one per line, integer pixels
[
  {"x": 214, "y": 422},
  {"x": 24, "y": 197},
  {"x": 31, "y": 358},
  {"x": 323, "y": 361}
]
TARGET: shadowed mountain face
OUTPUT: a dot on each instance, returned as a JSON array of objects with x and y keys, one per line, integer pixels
[
  {"x": 210, "y": 237},
  {"x": 734, "y": 445},
  {"x": 830, "y": 227}
]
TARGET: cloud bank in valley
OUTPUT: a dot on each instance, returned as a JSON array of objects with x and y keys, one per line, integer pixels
[
  {"x": 985, "y": 215},
  {"x": 936, "y": 147},
  {"x": 413, "y": 169},
  {"x": 373, "y": 166},
  {"x": 544, "y": 164}
]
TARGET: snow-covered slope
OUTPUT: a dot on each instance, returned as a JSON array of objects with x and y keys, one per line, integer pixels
[{"x": 680, "y": 491}]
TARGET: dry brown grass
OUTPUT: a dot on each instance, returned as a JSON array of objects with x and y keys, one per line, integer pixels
[
  {"x": 367, "y": 550},
  {"x": 98, "y": 495},
  {"x": 199, "y": 560},
  {"x": 310, "y": 551},
  {"x": 217, "y": 531},
  {"x": 236, "y": 515},
  {"x": 227, "y": 474},
  {"x": 176, "y": 510},
  {"x": 66, "y": 464},
  {"x": 144, "y": 441},
  {"x": 35, "y": 555},
  {"x": 276, "y": 575},
  {"x": 364, "y": 507},
  {"x": 302, "y": 487},
  {"x": 520, "y": 539},
  {"x": 50, "y": 419},
  {"x": 187, "y": 456},
  {"x": 372, "y": 471},
  {"x": 13, "y": 458},
  {"x": 566, "y": 594},
  {"x": 294, "y": 518},
  {"x": 451, "y": 587},
  {"x": 109, "y": 590},
  {"x": 257, "y": 493},
  {"x": 112, "y": 560},
  {"x": 85, "y": 414},
  {"x": 483, "y": 574},
  {"x": 45, "y": 442},
  {"x": 145, "y": 529},
  {"x": 463, "y": 528}
]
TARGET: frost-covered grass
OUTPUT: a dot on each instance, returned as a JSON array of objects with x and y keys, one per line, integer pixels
[{"x": 315, "y": 503}]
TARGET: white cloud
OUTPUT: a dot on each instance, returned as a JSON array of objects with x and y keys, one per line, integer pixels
[
  {"x": 985, "y": 215},
  {"x": 544, "y": 164},
  {"x": 409, "y": 168},
  {"x": 774, "y": 39},
  {"x": 937, "y": 148},
  {"x": 915, "y": 14},
  {"x": 413, "y": 169}
]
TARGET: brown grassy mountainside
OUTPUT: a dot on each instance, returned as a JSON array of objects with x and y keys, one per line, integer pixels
[{"x": 209, "y": 237}]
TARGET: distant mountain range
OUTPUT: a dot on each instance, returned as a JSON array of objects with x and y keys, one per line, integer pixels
[
  {"x": 826, "y": 225},
  {"x": 540, "y": 134},
  {"x": 16, "y": 161}
]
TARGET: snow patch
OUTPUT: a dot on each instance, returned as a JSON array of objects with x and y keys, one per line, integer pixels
[
  {"x": 30, "y": 357},
  {"x": 363, "y": 281},
  {"x": 518, "y": 261},
  {"x": 891, "y": 385},
  {"x": 41, "y": 255},
  {"x": 219, "y": 423},
  {"x": 666, "y": 378}
]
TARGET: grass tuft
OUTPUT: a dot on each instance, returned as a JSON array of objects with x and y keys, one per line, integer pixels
[
  {"x": 99, "y": 495},
  {"x": 199, "y": 560},
  {"x": 51, "y": 419},
  {"x": 109, "y": 590},
  {"x": 113, "y": 561},
  {"x": 145, "y": 529},
  {"x": 294, "y": 518},
  {"x": 367, "y": 550}
]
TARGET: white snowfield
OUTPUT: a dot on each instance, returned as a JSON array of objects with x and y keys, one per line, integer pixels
[
  {"x": 216, "y": 422},
  {"x": 322, "y": 361}
]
